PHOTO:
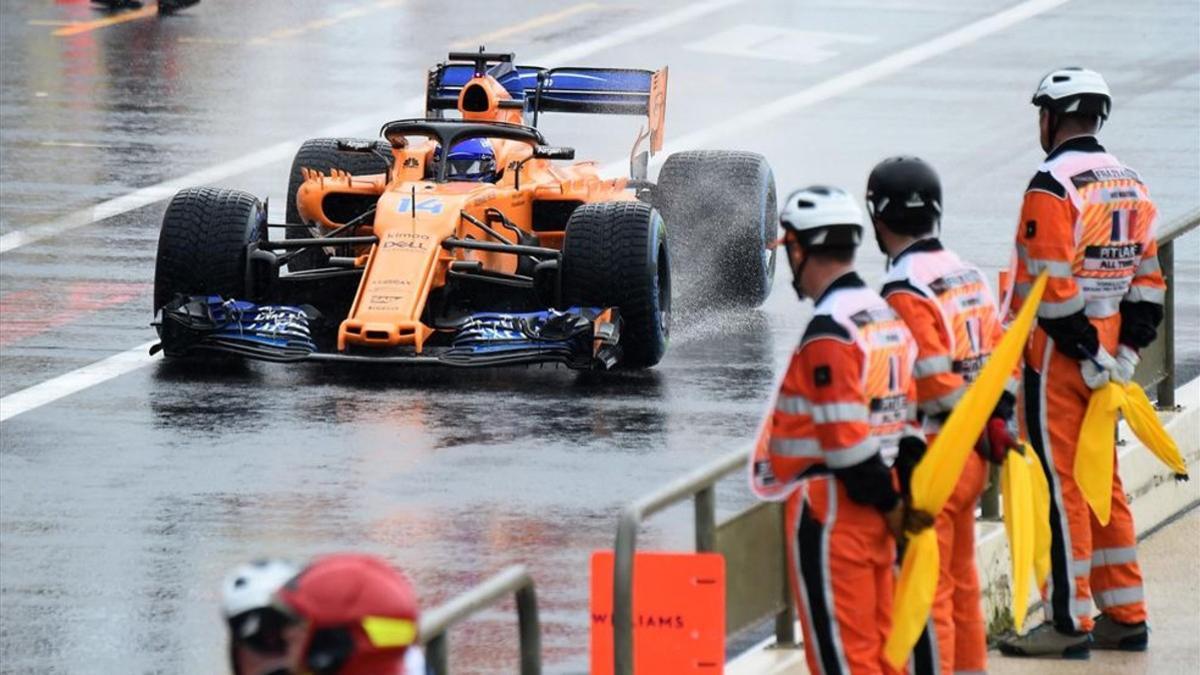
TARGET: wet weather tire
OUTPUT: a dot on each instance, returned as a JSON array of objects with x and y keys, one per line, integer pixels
[
  {"x": 202, "y": 245},
  {"x": 323, "y": 154},
  {"x": 721, "y": 208},
  {"x": 615, "y": 255}
]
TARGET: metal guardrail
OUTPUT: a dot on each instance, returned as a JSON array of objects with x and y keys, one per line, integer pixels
[
  {"x": 1158, "y": 360},
  {"x": 752, "y": 542},
  {"x": 1157, "y": 368},
  {"x": 435, "y": 624}
]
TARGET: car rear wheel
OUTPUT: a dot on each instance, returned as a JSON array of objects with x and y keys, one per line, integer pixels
[
  {"x": 615, "y": 255},
  {"x": 721, "y": 208},
  {"x": 324, "y": 154},
  {"x": 203, "y": 242}
]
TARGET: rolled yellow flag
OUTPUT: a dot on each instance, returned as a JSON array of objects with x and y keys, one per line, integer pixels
[
  {"x": 1095, "y": 450},
  {"x": 938, "y": 472},
  {"x": 1016, "y": 494},
  {"x": 1040, "y": 493}
]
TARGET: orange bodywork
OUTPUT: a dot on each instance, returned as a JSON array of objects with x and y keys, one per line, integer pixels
[{"x": 414, "y": 215}]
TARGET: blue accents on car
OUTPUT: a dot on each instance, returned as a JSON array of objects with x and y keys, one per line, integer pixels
[{"x": 602, "y": 90}]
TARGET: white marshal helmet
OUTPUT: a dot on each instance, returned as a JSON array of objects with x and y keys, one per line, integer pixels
[
  {"x": 251, "y": 586},
  {"x": 822, "y": 216},
  {"x": 1074, "y": 90}
]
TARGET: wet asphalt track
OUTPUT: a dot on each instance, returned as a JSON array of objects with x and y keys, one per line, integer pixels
[{"x": 122, "y": 505}]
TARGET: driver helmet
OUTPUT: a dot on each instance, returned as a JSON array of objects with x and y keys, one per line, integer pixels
[
  {"x": 257, "y": 643},
  {"x": 470, "y": 160},
  {"x": 352, "y": 614}
]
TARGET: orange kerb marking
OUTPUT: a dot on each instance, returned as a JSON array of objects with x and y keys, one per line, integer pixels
[{"x": 88, "y": 26}]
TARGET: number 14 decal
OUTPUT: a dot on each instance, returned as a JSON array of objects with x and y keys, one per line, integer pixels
[{"x": 432, "y": 205}]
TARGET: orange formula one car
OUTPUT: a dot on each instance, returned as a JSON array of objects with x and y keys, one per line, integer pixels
[{"x": 458, "y": 240}]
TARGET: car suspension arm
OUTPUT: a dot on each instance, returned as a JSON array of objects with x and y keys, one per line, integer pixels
[
  {"x": 486, "y": 228},
  {"x": 515, "y": 249},
  {"x": 320, "y": 241}
]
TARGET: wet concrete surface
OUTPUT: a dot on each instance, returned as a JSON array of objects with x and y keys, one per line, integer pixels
[
  {"x": 123, "y": 505},
  {"x": 1172, "y": 585}
]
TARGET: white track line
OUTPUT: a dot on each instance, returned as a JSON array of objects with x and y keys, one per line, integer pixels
[
  {"x": 78, "y": 380},
  {"x": 154, "y": 193},
  {"x": 284, "y": 150},
  {"x": 854, "y": 79},
  {"x": 889, "y": 65}
]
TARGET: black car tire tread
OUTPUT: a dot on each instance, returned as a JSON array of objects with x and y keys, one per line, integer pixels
[
  {"x": 607, "y": 261},
  {"x": 202, "y": 245},
  {"x": 722, "y": 211}
]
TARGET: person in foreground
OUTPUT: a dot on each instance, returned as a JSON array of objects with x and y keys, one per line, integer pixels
[
  {"x": 344, "y": 614},
  {"x": 952, "y": 315},
  {"x": 1088, "y": 222},
  {"x": 846, "y": 409}
]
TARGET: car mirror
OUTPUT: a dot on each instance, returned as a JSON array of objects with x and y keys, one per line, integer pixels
[{"x": 553, "y": 152}]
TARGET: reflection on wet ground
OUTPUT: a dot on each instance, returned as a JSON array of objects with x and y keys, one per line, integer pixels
[
  {"x": 451, "y": 473},
  {"x": 121, "y": 507}
]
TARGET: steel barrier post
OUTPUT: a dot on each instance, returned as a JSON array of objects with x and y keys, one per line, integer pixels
[
  {"x": 989, "y": 502},
  {"x": 435, "y": 623},
  {"x": 785, "y": 627},
  {"x": 700, "y": 480},
  {"x": 530, "y": 630},
  {"x": 706, "y": 520},
  {"x": 437, "y": 655},
  {"x": 1166, "y": 388},
  {"x": 623, "y": 590}
]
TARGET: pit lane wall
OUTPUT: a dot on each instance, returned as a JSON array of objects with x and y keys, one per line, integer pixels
[{"x": 1154, "y": 496}]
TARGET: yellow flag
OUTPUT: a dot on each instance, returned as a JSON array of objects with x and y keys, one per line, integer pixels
[
  {"x": 1016, "y": 493},
  {"x": 1095, "y": 449},
  {"x": 938, "y": 472},
  {"x": 914, "y": 595},
  {"x": 1144, "y": 422},
  {"x": 1040, "y": 494}
]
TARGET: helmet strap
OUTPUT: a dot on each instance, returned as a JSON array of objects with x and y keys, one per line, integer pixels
[
  {"x": 798, "y": 272},
  {"x": 1053, "y": 120}
]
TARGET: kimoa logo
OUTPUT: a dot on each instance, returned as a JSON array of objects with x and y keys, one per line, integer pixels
[{"x": 405, "y": 240}]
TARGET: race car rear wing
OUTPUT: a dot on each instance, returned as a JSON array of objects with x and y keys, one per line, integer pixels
[{"x": 605, "y": 91}]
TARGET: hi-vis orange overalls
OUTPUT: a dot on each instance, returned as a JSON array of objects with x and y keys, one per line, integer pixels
[
  {"x": 843, "y": 406},
  {"x": 1089, "y": 222},
  {"x": 952, "y": 315}
]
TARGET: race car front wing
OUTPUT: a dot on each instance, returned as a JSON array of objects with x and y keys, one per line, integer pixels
[{"x": 579, "y": 337}]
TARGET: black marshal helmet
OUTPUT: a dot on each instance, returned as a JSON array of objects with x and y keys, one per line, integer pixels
[{"x": 905, "y": 195}]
